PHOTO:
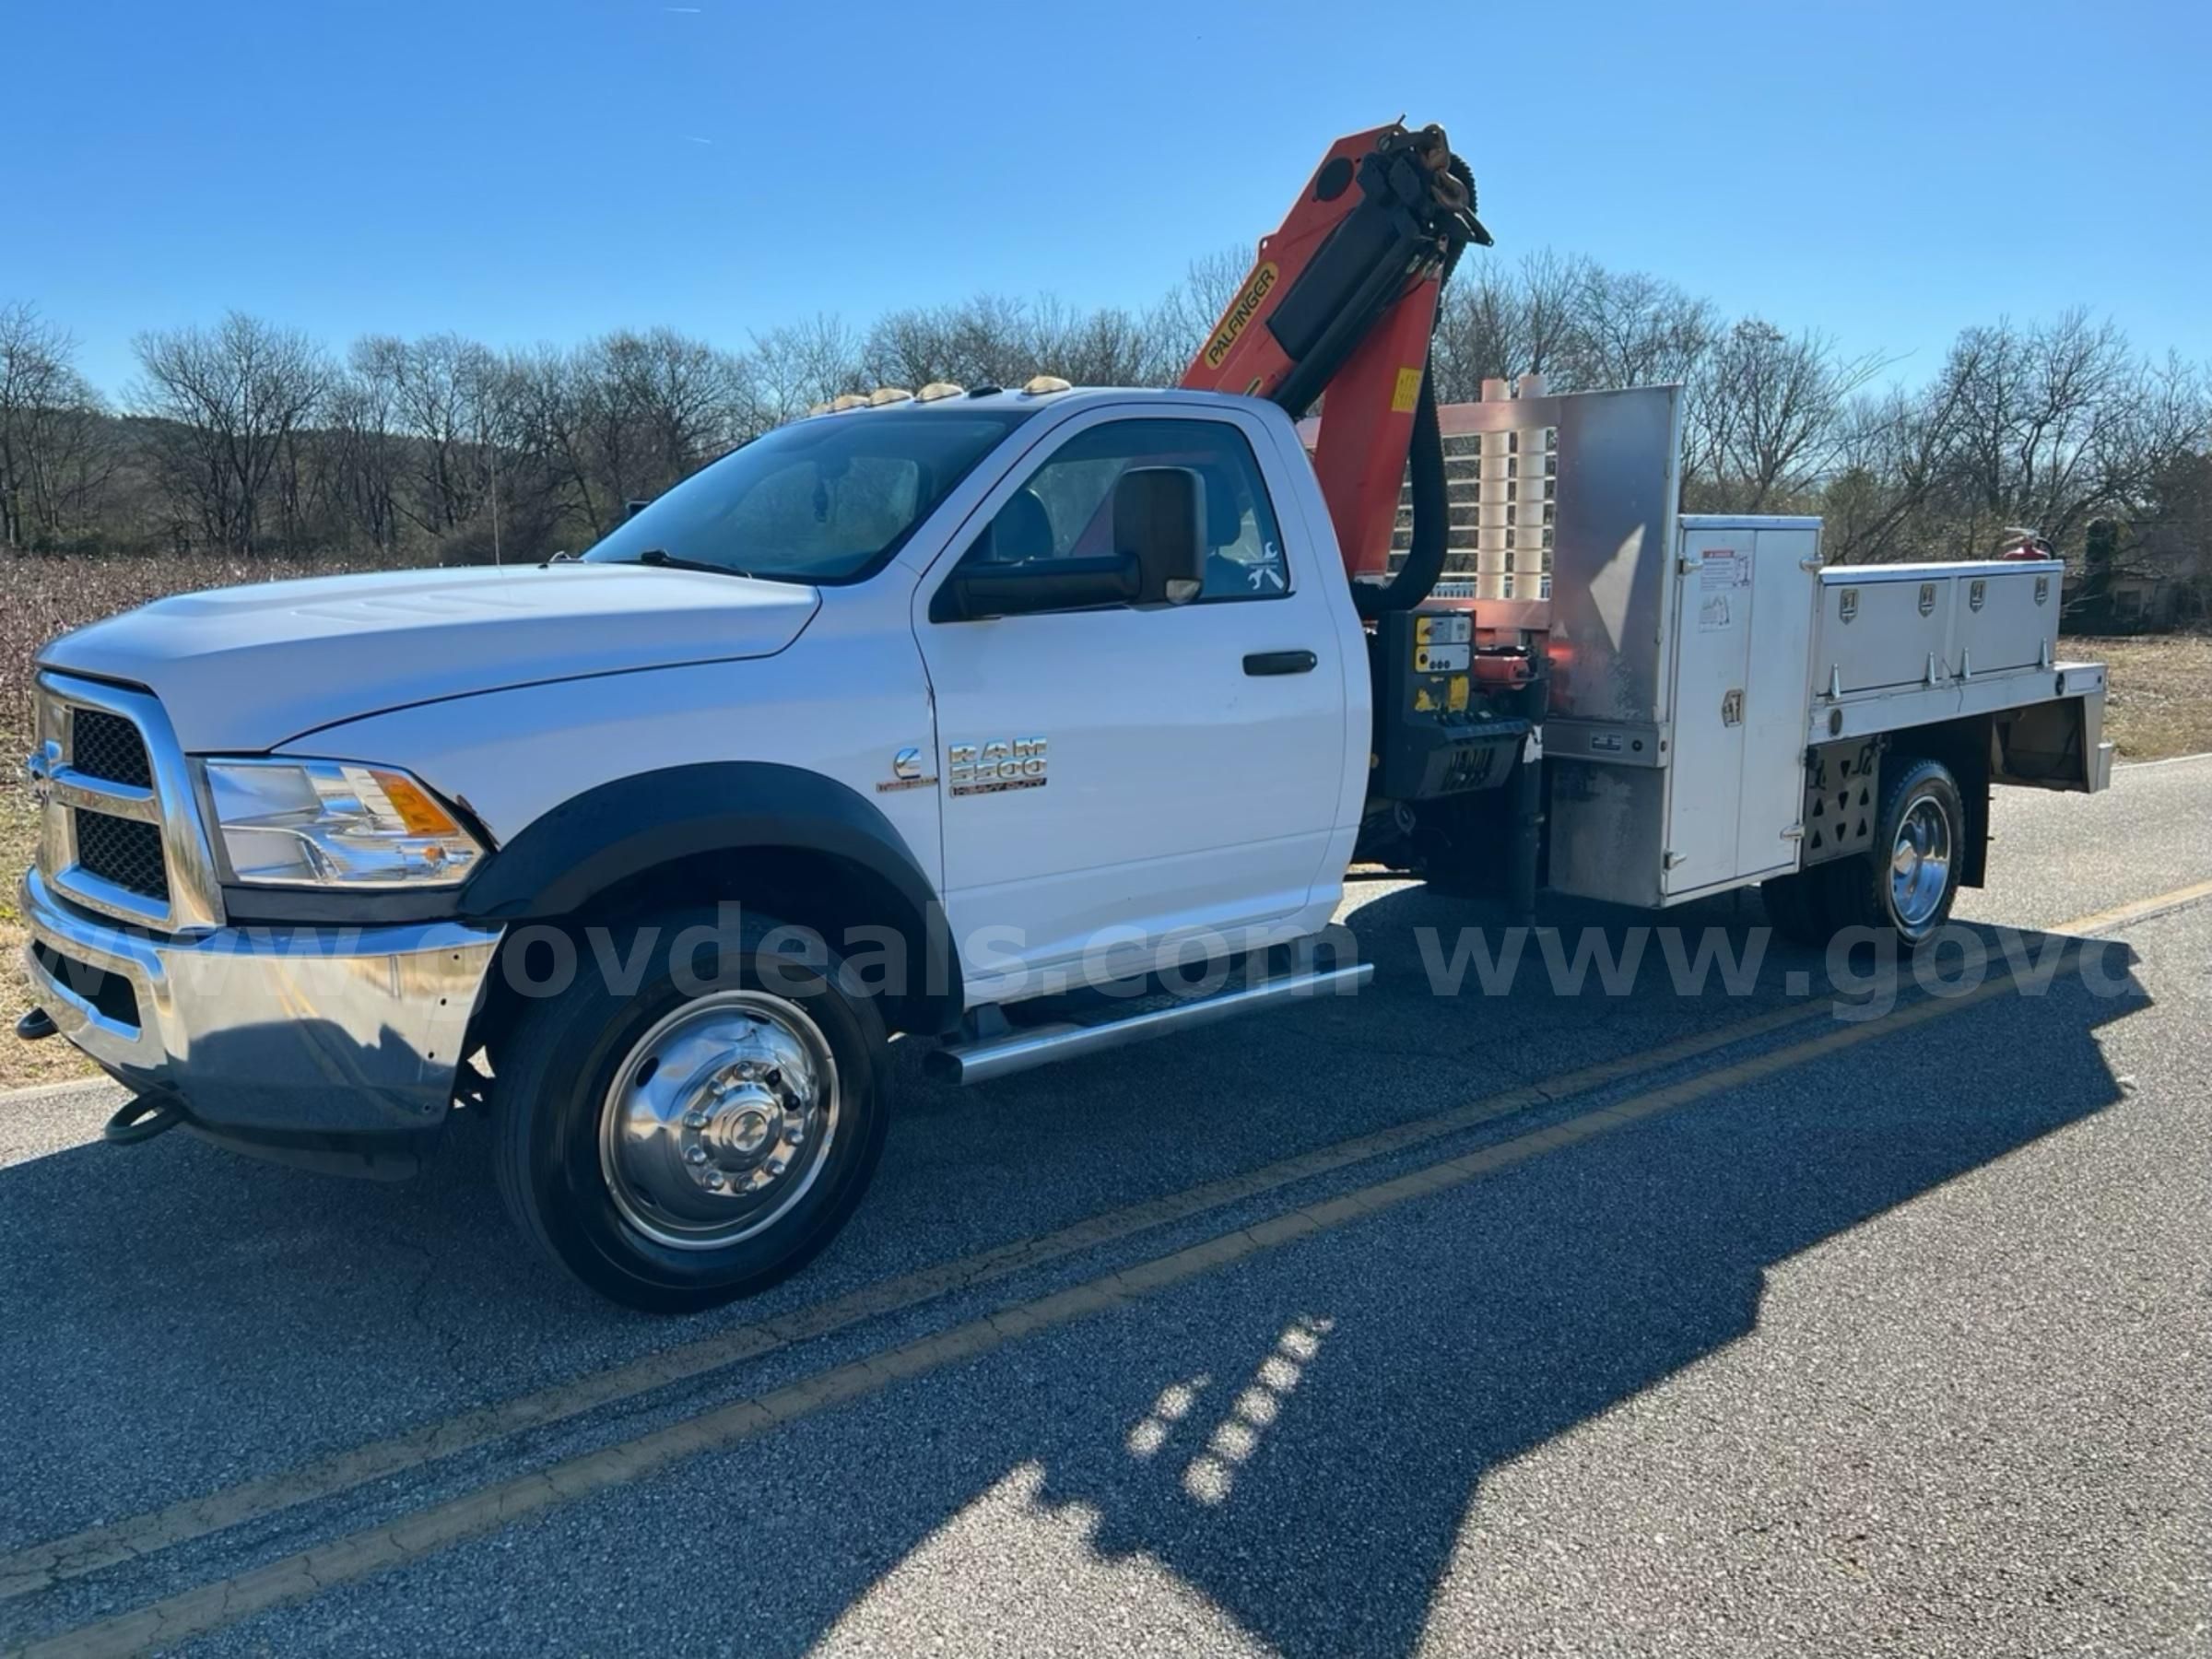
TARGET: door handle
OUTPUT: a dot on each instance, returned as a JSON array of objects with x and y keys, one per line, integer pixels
[{"x": 1280, "y": 662}]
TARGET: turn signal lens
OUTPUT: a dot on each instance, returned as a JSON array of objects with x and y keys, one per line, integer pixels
[
  {"x": 333, "y": 823},
  {"x": 413, "y": 806}
]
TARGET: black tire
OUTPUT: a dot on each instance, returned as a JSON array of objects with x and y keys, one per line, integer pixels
[
  {"x": 560, "y": 1059},
  {"x": 1864, "y": 890}
]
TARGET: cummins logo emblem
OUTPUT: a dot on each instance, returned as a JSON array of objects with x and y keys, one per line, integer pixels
[{"x": 990, "y": 768}]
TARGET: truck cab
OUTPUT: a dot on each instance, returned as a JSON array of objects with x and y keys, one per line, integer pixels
[{"x": 986, "y": 695}]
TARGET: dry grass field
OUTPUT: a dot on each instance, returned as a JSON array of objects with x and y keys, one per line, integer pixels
[
  {"x": 41, "y": 598},
  {"x": 2161, "y": 703}
]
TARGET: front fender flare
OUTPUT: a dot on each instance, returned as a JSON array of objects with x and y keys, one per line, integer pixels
[{"x": 595, "y": 842}]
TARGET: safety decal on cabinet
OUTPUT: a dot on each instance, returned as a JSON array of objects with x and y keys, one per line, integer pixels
[{"x": 1723, "y": 574}]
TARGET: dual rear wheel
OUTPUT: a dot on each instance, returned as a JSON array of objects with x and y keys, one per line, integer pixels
[{"x": 1904, "y": 883}]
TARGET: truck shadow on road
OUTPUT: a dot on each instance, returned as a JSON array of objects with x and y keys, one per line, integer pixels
[
  {"x": 1298, "y": 1440},
  {"x": 1303, "y": 1441}
]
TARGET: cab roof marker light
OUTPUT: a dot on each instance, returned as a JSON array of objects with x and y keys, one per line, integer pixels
[
  {"x": 816, "y": 408},
  {"x": 888, "y": 394},
  {"x": 851, "y": 400},
  {"x": 937, "y": 390},
  {"x": 1042, "y": 385}
]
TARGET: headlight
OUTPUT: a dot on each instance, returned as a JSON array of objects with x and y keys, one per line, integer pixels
[{"x": 332, "y": 823}]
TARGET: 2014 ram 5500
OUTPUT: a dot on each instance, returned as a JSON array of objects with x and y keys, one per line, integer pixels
[{"x": 910, "y": 712}]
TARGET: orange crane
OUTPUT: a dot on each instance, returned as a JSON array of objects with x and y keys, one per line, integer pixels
[{"x": 1342, "y": 298}]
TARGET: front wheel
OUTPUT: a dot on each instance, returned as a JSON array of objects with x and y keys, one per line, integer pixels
[{"x": 701, "y": 1137}]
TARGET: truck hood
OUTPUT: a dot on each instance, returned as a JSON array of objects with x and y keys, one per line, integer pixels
[{"x": 247, "y": 668}]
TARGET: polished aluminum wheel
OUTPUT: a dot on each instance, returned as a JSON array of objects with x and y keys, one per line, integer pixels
[
  {"x": 719, "y": 1120},
  {"x": 1920, "y": 865}
]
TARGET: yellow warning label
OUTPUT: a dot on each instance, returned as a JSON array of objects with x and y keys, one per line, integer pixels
[
  {"x": 1457, "y": 697},
  {"x": 1420, "y": 629},
  {"x": 1408, "y": 392},
  {"x": 1241, "y": 314}
]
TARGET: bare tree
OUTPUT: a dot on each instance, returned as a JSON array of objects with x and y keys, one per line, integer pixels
[
  {"x": 1892, "y": 454},
  {"x": 554, "y": 419},
  {"x": 1498, "y": 322},
  {"x": 54, "y": 461},
  {"x": 1187, "y": 311},
  {"x": 224, "y": 407},
  {"x": 1766, "y": 415},
  {"x": 2056, "y": 424},
  {"x": 1105, "y": 347},
  {"x": 362, "y": 455},
  {"x": 792, "y": 368},
  {"x": 1632, "y": 329},
  {"x": 443, "y": 392},
  {"x": 987, "y": 340},
  {"x": 627, "y": 415}
]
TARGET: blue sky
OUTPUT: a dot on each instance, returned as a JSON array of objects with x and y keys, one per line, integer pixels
[{"x": 529, "y": 170}]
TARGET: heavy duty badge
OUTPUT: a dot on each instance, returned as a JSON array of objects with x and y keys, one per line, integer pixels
[{"x": 990, "y": 767}]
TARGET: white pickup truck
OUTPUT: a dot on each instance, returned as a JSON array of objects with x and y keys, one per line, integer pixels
[{"x": 901, "y": 716}]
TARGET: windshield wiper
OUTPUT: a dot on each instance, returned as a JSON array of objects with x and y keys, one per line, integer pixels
[{"x": 660, "y": 559}]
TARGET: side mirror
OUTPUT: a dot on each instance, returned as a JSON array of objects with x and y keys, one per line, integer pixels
[
  {"x": 1160, "y": 520},
  {"x": 635, "y": 505},
  {"x": 1044, "y": 584}
]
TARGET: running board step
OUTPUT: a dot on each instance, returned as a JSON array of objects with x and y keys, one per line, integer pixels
[{"x": 992, "y": 1057}]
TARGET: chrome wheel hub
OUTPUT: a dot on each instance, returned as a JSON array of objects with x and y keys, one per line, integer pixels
[
  {"x": 1920, "y": 865},
  {"x": 718, "y": 1120}
]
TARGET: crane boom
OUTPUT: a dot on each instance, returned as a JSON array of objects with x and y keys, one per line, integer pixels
[{"x": 1342, "y": 298}]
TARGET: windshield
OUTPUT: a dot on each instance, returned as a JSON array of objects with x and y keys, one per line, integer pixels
[{"x": 827, "y": 500}]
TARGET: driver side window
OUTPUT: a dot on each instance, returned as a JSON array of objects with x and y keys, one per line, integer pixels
[{"x": 1063, "y": 510}]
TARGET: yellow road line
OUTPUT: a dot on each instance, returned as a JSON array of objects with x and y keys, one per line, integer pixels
[
  {"x": 379, "y": 1549},
  {"x": 40, "y": 1566},
  {"x": 2140, "y": 910}
]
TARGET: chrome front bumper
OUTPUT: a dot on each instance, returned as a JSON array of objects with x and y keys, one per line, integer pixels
[{"x": 308, "y": 1037}]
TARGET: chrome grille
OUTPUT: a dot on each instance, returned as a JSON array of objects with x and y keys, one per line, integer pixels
[
  {"x": 126, "y": 852},
  {"x": 108, "y": 746},
  {"x": 121, "y": 830}
]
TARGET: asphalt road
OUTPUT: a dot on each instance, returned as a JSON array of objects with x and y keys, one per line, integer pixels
[{"x": 1748, "y": 1328}]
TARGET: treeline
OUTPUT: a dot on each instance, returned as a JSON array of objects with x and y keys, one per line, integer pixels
[{"x": 249, "y": 439}]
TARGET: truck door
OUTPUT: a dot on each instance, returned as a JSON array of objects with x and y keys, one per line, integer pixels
[
  {"x": 1712, "y": 632},
  {"x": 1742, "y": 632},
  {"x": 1126, "y": 773},
  {"x": 1778, "y": 687}
]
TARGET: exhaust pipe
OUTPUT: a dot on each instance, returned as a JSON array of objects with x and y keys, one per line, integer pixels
[{"x": 1020, "y": 1050}]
